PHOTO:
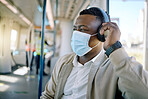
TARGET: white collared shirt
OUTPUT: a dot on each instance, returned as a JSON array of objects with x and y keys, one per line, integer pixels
[{"x": 76, "y": 85}]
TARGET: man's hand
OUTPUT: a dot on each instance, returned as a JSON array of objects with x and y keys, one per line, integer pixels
[{"x": 113, "y": 36}]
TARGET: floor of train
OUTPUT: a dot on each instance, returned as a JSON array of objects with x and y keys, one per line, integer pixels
[{"x": 21, "y": 84}]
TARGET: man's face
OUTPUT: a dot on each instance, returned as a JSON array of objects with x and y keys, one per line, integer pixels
[{"x": 88, "y": 24}]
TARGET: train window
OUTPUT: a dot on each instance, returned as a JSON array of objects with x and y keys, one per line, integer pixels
[
  {"x": 129, "y": 15},
  {"x": 13, "y": 39}
]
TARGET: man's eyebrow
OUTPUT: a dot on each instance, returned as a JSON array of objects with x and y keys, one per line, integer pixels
[
  {"x": 74, "y": 26},
  {"x": 83, "y": 26},
  {"x": 80, "y": 26}
]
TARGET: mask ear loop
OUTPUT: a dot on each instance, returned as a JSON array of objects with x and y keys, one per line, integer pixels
[
  {"x": 94, "y": 34},
  {"x": 96, "y": 45}
]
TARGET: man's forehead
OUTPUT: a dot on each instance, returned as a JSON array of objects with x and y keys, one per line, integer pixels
[
  {"x": 86, "y": 19},
  {"x": 87, "y": 16}
]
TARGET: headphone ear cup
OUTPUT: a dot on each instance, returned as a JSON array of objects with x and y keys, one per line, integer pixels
[{"x": 101, "y": 37}]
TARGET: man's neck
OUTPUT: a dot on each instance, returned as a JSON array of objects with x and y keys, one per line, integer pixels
[{"x": 90, "y": 55}]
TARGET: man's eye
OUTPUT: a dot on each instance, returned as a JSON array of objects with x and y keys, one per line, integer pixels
[
  {"x": 74, "y": 29},
  {"x": 82, "y": 30}
]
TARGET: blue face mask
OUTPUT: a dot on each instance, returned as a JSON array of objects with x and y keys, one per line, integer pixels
[{"x": 80, "y": 43}]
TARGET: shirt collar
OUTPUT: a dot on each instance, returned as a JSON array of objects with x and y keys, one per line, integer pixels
[{"x": 76, "y": 63}]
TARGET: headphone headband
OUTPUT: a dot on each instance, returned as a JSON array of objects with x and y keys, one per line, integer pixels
[{"x": 105, "y": 16}]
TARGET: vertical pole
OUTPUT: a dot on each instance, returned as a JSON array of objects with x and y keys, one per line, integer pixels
[
  {"x": 107, "y": 6},
  {"x": 42, "y": 49},
  {"x": 54, "y": 38},
  {"x": 146, "y": 36}
]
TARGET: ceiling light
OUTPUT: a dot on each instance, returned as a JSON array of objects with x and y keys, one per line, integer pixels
[
  {"x": 25, "y": 19},
  {"x": 13, "y": 9},
  {"x": 49, "y": 14},
  {"x": 4, "y": 2}
]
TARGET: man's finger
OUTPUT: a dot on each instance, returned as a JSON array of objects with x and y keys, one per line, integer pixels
[{"x": 107, "y": 26}]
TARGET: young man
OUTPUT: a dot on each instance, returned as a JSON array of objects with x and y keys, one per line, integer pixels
[{"x": 92, "y": 72}]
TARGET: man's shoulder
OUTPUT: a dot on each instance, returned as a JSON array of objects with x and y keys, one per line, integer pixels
[
  {"x": 62, "y": 61},
  {"x": 67, "y": 58}
]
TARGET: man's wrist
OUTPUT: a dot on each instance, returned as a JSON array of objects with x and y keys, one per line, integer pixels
[{"x": 112, "y": 48}]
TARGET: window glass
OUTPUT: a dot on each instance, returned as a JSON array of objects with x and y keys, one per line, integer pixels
[
  {"x": 13, "y": 39},
  {"x": 129, "y": 15}
]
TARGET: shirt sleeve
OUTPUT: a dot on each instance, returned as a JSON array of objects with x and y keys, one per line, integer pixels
[
  {"x": 50, "y": 87},
  {"x": 133, "y": 79}
]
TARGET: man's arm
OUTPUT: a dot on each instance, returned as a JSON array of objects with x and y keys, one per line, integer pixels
[
  {"x": 133, "y": 79},
  {"x": 46, "y": 43}
]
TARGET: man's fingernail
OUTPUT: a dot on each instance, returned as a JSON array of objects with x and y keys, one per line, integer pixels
[{"x": 104, "y": 23}]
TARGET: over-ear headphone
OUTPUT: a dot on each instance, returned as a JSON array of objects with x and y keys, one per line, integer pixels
[{"x": 104, "y": 19}]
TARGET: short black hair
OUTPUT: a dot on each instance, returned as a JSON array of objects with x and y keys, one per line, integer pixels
[{"x": 95, "y": 12}]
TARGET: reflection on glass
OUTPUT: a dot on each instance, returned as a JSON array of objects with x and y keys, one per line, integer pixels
[
  {"x": 8, "y": 79},
  {"x": 3, "y": 87},
  {"x": 21, "y": 71}
]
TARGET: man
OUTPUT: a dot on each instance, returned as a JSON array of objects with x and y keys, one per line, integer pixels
[
  {"x": 92, "y": 72},
  {"x": 28, "y": 50},
  {"x": 38, "y": 51}
]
